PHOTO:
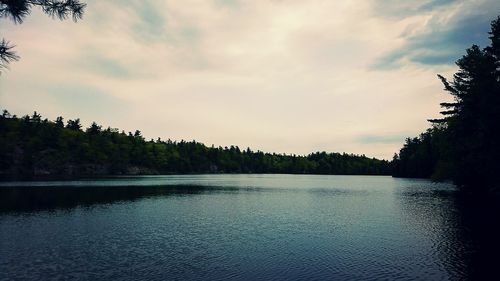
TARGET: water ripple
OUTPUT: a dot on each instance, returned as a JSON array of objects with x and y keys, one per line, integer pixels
[{"x": 242, "y": 227}]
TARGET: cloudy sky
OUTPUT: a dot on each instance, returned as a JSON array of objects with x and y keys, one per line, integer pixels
[{"x": 286, "y": 76}]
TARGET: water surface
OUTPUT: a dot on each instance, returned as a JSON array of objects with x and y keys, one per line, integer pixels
[{"x": 244, "y": 227}]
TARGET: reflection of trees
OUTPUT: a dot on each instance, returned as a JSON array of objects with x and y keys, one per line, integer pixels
[
  {"x": 462, "y": 229},
  {"x": 25, "y": 199},
  {"x": 479, "y": 218}
]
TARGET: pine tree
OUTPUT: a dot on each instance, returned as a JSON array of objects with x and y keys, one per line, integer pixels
[{"x": 472, "y": 120}]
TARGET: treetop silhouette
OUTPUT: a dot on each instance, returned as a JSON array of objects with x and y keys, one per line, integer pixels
[{"x": 463, "y": 145}]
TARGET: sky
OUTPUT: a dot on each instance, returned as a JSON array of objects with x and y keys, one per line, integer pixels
[{"x": 286, "y": 76}]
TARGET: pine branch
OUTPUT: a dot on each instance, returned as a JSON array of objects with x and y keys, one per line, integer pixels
[
  {"x": 17, "y": 10},
  {"x": 448, "y": 104},
  {"x": 449, "y": 112},
  {"x": 6, "y": 54},
  {"x": 447, "y": 85},
  {"x": 61, "y": 9},
  {"x": 438, "y": 121}
]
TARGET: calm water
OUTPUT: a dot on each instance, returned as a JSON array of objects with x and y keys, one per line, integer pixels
[{"x": 245, "y": 227}]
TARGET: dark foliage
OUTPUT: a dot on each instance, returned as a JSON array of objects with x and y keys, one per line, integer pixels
[
  {"x": 31, "y": 146},
  {"x": 463, "y": 145},
  {"x": 425, "y": 156},
  {"x": 6, "y": 54}
]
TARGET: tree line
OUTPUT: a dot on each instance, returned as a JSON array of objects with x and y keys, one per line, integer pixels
[
  {"x": 463, "y": 145},
  {"x": 31, "y": 146}
]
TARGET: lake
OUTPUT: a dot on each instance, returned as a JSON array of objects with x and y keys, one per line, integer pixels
[{"x": 245, "y": 227}]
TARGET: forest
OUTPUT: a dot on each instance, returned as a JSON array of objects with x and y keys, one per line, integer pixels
[
  {"x": 32, "y": 147},
  {"x": 463, "y": 145}
]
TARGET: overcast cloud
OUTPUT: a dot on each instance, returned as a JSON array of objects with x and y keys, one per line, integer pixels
[{"x": 279, "y": 75}]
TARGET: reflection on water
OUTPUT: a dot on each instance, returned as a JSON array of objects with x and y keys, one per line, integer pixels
[
  {"x": 460, "y": 227},
  {"x": 245, "y": 227},
  {"x": 15, "y": 199},
  {"x": 477, "y": 226}
]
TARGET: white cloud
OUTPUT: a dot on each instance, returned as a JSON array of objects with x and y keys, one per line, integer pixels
[{"x": 284, "y": 76}]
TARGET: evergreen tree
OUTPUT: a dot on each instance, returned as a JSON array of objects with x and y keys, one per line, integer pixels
[
  {"x": 28, "y": 145},
  {"x": 472, "y": 120},
  {"x": 74, "y": 124},
  {"x": 463, "y": 144}
]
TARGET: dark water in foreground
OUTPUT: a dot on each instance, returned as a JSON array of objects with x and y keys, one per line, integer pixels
[{"x": 245, "y": 227}]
